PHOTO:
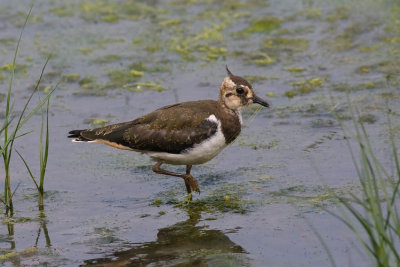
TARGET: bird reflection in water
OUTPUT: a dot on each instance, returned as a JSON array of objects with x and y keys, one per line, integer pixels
[{"x": 183, "y": 244}]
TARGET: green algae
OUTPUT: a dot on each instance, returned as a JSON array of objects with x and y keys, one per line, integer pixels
[
  {"x": 264, "y": 25},
  {"x": 340, "y": 13},
  {"x": 111, "y": 18},
  {"x": 104, "y": 41},
  {"x": 205, "y": 44},
  {"x": 95, "y": 11},
  {"x": 89, "y": 82},
  {"x": 107, "y": 59},
  {"x": 290, "y": 94},
  {"x": 389, "y": 67},
  {"x": 19, "y": 69},
  {"x": 226, "y": 198},
  {"x": 149, "y": 86},
  {"x": 211, "y": 33},
  {"x": 139, "y": 66},
  {"x": 343, "y": 87},
  {"x": 286, "y": 44},
  {"x": 109, "y": 12},
  {"x": 370, "y": 85},
  {"x": 295, "y": 69},
  {"x": 211, "y": 52},
  {"x": 170, "y": 22},
  {"x": 229, "y": 197},
  {"x": 85, "y": 51},
  {"x": 136, "y": 73},
  {"x": 142, "y": 86},
  {"x": 15, "y": 255},
  {"x": 347, "y": 40},
  {"x": 364, "y": 69},
  {"x": 120, "y": 78},
  {"x": 62, "y": 11},
  {"x": 96, "y": 122},
  {"x": 299, "y": 30},
  {"x": 255, "y": 79},
  {"x": 321, "y": 123},
  {"x": 308, "y": 13},
  {"x": 18, "y": 19},
  {"x": 72, "y": 77},
  {"x": 305, "y": 86},
  {"x": 220, "y": 203},
  {"x": 365, "y": 49},
  {"x": 367, "y": 118},
  {"x": 316, "y": 82},
  {"x": 339, "y": 43},
  {"x": 157, "y": 202},
  {"x": 2, "y": 76},
  {"x": 262, "y": 59},
  {"x": 8, "y": 42}
]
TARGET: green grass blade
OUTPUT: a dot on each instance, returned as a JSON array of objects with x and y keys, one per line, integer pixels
[
  {"x": 13, "y": 72},
  {"x": 46, "y": 148},
  {"x": 355, "y": 231},
  {"x": 39, "y": 106},
  {"x": 23, "y": 134},
  {"x": 15, "y": 190},
  {"x": 28, "y": 169},
  {"x": 20, "y": 121}
]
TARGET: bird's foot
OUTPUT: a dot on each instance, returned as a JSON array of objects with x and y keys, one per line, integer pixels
[{"x": 191, "y": 183}]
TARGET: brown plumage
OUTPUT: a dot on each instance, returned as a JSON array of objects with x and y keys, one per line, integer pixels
[{"x": 186, "y": 133}]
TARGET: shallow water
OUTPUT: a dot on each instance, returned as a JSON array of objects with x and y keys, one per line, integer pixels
[{"x": 261, "y": 197}]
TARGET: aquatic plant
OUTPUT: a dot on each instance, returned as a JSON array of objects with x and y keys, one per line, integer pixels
[
  {"x": 9, "y": 131},
  {"x": 373, "y": 216},
  {"x": 43, "y": 154}
]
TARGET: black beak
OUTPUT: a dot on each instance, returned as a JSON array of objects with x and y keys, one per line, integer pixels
[{"x": 260, "y": 101}]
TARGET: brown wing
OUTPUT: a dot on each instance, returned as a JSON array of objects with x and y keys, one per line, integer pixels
[{"x": 170, "y": 129}]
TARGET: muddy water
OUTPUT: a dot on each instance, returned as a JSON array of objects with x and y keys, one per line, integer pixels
[{"x": 262, "y": 196}]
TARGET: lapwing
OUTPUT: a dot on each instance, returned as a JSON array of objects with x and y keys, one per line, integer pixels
[{"x": 188, "y": 133}]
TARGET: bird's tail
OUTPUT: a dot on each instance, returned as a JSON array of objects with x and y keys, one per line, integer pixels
[{"x": 76, "y": 134}]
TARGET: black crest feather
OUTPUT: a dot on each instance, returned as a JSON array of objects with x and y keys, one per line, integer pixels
[
  {"x": 237, "y": 80},
  {"x": 228, "y": 71}
]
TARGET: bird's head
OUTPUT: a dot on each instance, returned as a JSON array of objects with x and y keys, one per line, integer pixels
[{"x": 236, "y": 92}]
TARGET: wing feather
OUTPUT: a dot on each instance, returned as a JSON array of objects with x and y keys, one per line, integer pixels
[{"x": 170, "y": 129}]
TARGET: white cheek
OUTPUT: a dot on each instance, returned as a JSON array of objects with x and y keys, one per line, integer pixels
[{"x": 233, "y": 103}]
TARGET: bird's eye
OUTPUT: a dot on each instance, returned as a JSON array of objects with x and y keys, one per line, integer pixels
[{"x": 240, "y": 90}]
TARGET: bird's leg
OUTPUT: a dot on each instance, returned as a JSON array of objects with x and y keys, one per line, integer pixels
[
  {"x": 190, "y": 182},
  {"x": 188, "y": 189}
]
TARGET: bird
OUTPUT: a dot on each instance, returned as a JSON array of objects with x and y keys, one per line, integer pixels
[{"x": 187, "y": 133}]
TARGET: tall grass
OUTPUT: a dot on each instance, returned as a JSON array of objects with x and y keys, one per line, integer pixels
[
  {"x": 373, "y": 215},
  {"x": 11, "y": 131},
  {"x": 43, "y": 154}
]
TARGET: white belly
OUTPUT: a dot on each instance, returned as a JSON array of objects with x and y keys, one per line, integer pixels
[{"x": 199, "y": 154}]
